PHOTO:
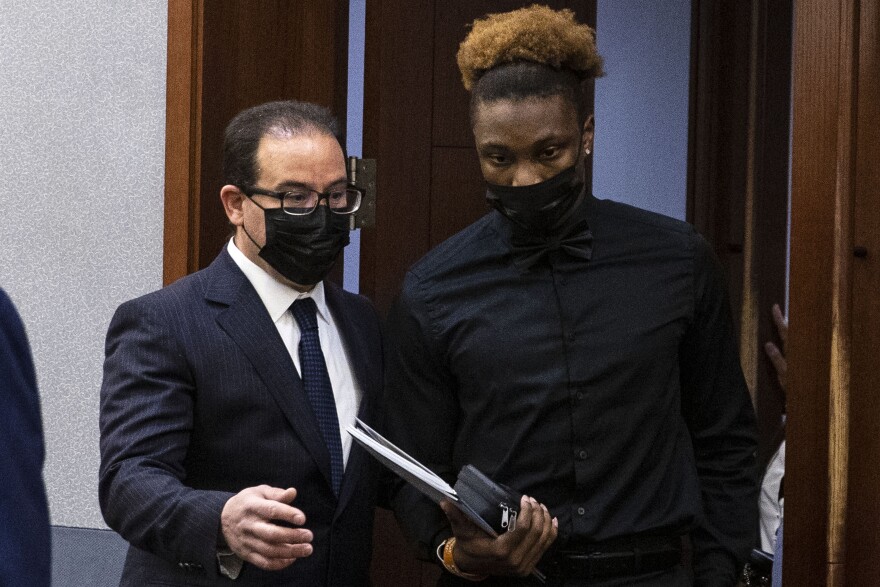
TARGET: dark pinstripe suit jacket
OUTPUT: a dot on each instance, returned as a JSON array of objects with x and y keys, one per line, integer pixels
[{"x": 200, "y": 399}]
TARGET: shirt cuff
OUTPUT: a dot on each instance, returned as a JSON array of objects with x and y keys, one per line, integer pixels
[{"x": 230, "y": 564}]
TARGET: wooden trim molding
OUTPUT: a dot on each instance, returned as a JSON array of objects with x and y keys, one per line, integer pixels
[
  {"x": 841, "y": 302},
  {"x": 863, "y": 476},
  {"x": 749, "y": 308},
  {"x": 824, "y": 179},
  {"x": 182, "y": 138}
]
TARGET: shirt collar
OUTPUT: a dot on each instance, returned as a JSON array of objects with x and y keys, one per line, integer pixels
[{"x": 276, "y": 296}]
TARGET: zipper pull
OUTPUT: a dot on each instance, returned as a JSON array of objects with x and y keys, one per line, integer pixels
[
  {"x": 512, "y": 525},
  {"x": 505, "y": 515}
]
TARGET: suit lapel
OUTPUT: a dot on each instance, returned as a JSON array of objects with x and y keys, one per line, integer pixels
[
  {"x": 359, "y": 357},
  {"x": 247, "y": 322}
]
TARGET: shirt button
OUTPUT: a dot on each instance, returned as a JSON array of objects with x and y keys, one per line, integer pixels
[
  {"x": 581, "y": 511},
  {"x": 582, "y": 455},
  {"x": 579, "y": 395}
]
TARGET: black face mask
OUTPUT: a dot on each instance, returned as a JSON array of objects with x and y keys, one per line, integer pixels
[
  {"x": 303, "y": 248},
  {"x": 542, "y": 208}
]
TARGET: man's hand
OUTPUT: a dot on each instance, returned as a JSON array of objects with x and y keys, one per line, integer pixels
[
  {"x": 249, "y": 528},
  {"x": 512, "y": 553},
  {"x": 777, "y": 355}
]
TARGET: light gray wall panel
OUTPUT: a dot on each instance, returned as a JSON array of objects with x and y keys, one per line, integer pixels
[
  {"x": 642, "y": 104},
  {"x": 82, "y": 121}
]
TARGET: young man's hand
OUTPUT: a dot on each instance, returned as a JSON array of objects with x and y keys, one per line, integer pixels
[{"x": 513, "y": 553}]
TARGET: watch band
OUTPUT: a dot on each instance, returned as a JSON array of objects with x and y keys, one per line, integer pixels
[{"x": 446, "y": 554}]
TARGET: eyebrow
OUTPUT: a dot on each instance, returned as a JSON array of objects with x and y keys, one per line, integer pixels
[
  {"x": 540, "y": 142},
  {"x": 492, "y": 145},
  {"x": 290, "y": 184},
  {"x": 557, "y": 137}
]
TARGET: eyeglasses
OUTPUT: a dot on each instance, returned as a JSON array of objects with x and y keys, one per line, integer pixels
[{"x": 303, "y": 201}]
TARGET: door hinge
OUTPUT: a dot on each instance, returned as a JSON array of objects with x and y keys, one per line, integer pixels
[{"x": 362, "y": 175}]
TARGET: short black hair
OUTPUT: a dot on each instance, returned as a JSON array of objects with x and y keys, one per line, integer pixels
[
  {"x": 284, "y": 118},
  {"x": 520, "y": 80}
]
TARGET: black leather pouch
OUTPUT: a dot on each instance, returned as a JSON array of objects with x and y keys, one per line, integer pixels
[
  {"x": 496, "y": 504},
  {"x": 758, "y": 572}
]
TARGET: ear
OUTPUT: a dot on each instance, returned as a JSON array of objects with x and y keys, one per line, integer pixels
[
  {"x": 587, "y": 134},
  {"x": 233, "y": 201}
]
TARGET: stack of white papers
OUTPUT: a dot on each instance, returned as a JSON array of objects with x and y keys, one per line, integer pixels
[
  {"x": 417, "y": 474},
  {"x": 412, "y": 471}
]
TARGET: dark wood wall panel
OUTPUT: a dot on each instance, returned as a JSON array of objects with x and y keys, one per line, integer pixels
[
  {"x": 862, "y": 540},
  {"x": 738, "y": 171},
  {"x": 252, "y": 56},
  {"x": 225, "y": 56},
  {"x": 451, "y": 122},
  {"x": 394, "y": 561},
  {"x": 397, "y": 132},
  {"x": 718, "y": 141},
  {"x": 457, "y": 191},
  {"x": 768, "y": 230},
  {"x": 235, "y": 50},
  {"x": 316, "y": 75}
]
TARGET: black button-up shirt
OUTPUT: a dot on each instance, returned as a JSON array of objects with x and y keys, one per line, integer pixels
[{"x": 610, "y": 390}]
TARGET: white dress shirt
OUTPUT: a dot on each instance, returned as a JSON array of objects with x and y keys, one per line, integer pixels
[
  {"x": 770, "y": 504},
  {"x": 278, "y": 297}
]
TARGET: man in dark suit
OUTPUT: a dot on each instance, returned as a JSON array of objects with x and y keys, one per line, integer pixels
[
  {"x": 24, "y": 515},
  {"x": 226, "y": 394}
]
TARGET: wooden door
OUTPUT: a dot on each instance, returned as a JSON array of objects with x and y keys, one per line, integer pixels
[
  {"x": 225, "y": 56},
  {"x": 832, "y": 482}
]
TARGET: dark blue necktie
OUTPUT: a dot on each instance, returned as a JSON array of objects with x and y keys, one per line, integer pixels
[{"x": 316, "y": 382}]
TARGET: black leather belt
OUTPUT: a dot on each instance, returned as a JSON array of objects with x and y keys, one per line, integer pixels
[{"x": 620, "y": 558}]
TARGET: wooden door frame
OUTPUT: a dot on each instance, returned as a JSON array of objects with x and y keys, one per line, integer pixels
[
  {"x": 824, "y": 182},
  {"x": 182, "y": 139}
]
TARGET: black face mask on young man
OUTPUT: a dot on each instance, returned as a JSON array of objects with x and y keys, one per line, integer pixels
[
  {"x": 541, "y": 209},
  {"x": 303, "y": 248},
  {"x": 545, "y": 217}
]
